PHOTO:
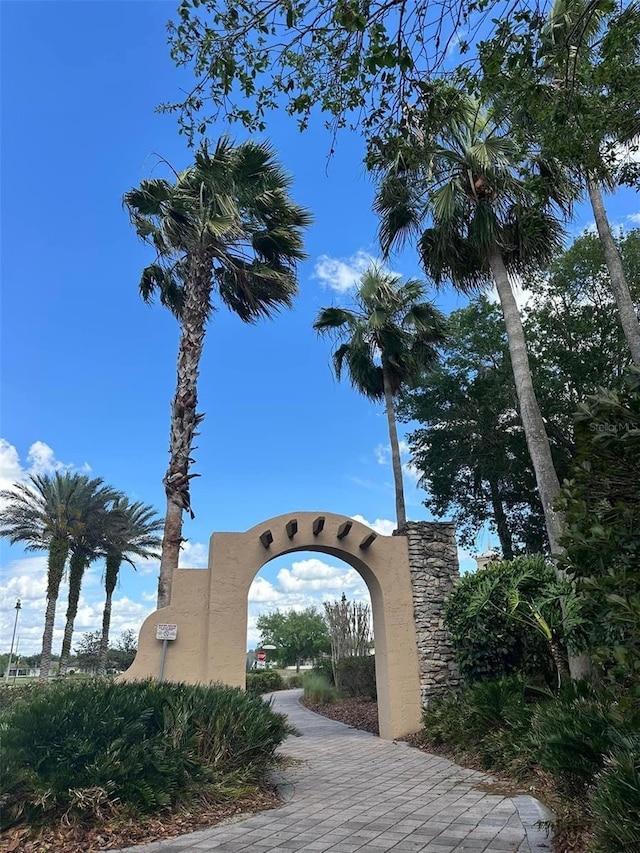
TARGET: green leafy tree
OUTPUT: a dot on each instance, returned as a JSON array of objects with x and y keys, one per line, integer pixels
[
  {"x": 125, "y": 649},
  {"x": 576, "y": 342},
  {"x": 391, "y": 335},
  {"x": 601, "y": 503},
  {"x": 88, "y": 651},
  {"x": 359, "y": 63},
  {"x": 570, "y": 84},
  {"x": 481, "y": 214},
  {"x": 85, "y": 547},
  {"x": 227, "y": 226},
  {"x": 470, "y": 449},
  {"x": 46, "y": 514},
  {"x": 298, "y": 635},
  {"x": 131, "y": 530}
]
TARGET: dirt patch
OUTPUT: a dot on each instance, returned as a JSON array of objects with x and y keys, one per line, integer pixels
[
  {"x": 358, "y": 713},
  {"x": 119, "y": 832}
]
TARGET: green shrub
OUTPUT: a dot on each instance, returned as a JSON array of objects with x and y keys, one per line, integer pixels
[
  {"x": 574, "y": 732},
  {"x": 491, "y": 719},
  {"x": 489, "y": 642},
  {"x": 615, "y": 802},
  {"x": 324, "y": 667},
  {"x": 293, "y": 681},
  {"x": 357, "y": 676},
  {"x": 318, "y": 689},
  {"x": 90, "y": 744},
  {"x": 10, "y": 694},
  {"x": 265, "y": 681}
]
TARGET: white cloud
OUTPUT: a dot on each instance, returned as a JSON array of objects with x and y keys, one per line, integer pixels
[
  {"x": 383, "y": 457},
  {"x": 522, "y": 296},
  {"x": 623, "y": 154},
  {"x": 262, "y": 590},
  {"x": 342, "y": 274},
  {"x": 313, "y": 575},
  {"x": 305, "y": 583},
  {"x": 634, "y": 218},
  {"x": 41, "y": 459},
  {"x": 26, "y": 579},
  {"x": 383, "y": 526},
  {"x": 193, "y": 555}
]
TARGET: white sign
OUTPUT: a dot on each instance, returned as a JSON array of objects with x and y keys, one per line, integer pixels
[{"x": 166, "y": 632}]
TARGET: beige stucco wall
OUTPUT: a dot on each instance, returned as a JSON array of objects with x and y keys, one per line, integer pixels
[{"x": 210, "y": 608}]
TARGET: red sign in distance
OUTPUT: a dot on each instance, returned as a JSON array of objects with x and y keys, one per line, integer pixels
[{"x": 261, "y": 656}]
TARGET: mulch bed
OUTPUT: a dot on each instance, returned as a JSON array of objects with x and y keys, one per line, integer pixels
[
  {"x": 358, "y": 713},
  {"x": 116, "y": 833}
]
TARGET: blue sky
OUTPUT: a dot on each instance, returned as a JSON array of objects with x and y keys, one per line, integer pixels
[{"x": 88, "y": 369}]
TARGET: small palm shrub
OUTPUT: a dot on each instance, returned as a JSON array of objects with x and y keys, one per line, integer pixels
[
  {"x": 293, "y": 681},
  {"x": 88, "y": 745},
  {"x": 491, "y": 719},
  {"x": 265, "y": 681},
  {"x": 576, "y": 731},
  {"x": 615, "y": 801},
  {"x": 357, "y": 676},
  {"x": 490, "y": 640},
  {"x": 317, "y": 689}
]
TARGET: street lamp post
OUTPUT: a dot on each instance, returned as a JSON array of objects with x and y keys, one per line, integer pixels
[{"x": 15, "y": 625}]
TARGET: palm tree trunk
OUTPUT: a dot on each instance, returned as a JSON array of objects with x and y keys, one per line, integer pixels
[
  {"x": 396, "y": 462},
  {"x": 184, "y": 418},
  {"x": 534, "y": 429},
  {"x": 104, "y": 639},
  {"x": 58, "y": 551},
  {"x": 619, "y": 286},
  {"x": 77, "y": 567},
  {"x": 502, "y": 526},
  {"x": 111, "y": 570}
]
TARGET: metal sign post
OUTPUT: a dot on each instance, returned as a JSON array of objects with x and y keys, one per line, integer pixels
[{"x": 165, "y": 632}]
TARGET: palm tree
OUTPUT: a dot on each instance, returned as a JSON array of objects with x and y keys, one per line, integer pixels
[
  {"x": 225, "y": 225},
  {"x": 572, "y": 31},
  {"x": 85, "y": 542},
  {"x": 392, "y": 335},
  {"x": 482, "y": 216},
  {"x": 130, "y": 530},
  {"x": 43, "y": 514},
  {"x": 561, "y": 100}
]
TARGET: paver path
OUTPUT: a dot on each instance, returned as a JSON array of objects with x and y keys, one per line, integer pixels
[{"x": 352, "y": 791}]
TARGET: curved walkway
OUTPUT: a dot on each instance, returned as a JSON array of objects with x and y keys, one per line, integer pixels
[{"x": 352, "y": 792}]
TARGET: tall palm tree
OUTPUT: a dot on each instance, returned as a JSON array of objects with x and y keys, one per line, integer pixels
[
  {"x": 43, "y": 515},
  {"x": 392, "y": 335},
  {"x": 85, "y": 542},
  {"x": 565, "y": 106},
  {"x": 225, "y": 225},
  {"x": 481, "y": 216},
  {"x": 131, "y": 530},
  {"x": 572, "y": 31}
]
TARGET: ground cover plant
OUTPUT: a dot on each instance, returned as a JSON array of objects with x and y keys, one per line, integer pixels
[{"x": 85, "y": 751}]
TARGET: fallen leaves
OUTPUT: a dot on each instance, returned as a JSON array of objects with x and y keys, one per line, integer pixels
[{"x": 114, "y": 834}]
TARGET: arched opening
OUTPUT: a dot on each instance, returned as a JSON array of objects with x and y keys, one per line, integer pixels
[
  {"x": 210, "y": 608},
  {"x": 308, "y": 609}
]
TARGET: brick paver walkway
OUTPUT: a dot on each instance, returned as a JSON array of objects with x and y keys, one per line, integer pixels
[{"x": 352, "y": 792}]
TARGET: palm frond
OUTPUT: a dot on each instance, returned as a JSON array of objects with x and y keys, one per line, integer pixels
[{"x": 334, "y": 319}]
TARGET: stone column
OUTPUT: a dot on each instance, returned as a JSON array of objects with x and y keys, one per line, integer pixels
[{"x": 433, "y": 563}]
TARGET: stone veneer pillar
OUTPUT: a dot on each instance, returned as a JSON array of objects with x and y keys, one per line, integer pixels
[{"x": 433, "y": 562}]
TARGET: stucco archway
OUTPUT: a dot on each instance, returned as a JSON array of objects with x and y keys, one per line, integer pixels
[{"x": 209, "y": 606}]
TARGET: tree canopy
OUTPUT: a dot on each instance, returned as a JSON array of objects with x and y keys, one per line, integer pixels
[{"x": 297, "y": 635}]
